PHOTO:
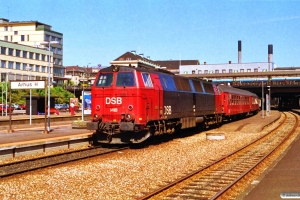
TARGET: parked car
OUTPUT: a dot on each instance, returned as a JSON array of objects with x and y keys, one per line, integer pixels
[
  {"x": 22, "y": 107},
  {"x": 4, "y": 108},
  {"x": 62, "y": 106}
]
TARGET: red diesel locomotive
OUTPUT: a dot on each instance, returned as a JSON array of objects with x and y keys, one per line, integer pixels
[{"x": 132, "y": 104}]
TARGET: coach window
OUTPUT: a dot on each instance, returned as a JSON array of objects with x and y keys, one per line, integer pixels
[
  {"x": 104, "y": 80},
  {"x": 147, "y": 80},
  {"x": 125, "y": 79}
]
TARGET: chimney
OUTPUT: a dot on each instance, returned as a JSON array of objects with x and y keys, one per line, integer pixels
[
  {"x": 134, "y": 52},
  {"x": 229, "y": 62},
  {"x": 204, "y": 63},
  {"x": 270, "y": 55},
  {"x": 239, "y": 51}
]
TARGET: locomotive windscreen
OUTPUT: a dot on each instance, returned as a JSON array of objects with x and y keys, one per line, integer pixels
[
  {"x": 104, "y": 80},
  {"x": 125, "y": 79}
]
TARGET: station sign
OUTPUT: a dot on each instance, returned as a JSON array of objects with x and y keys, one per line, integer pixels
[{"x": 27, "y": 84}]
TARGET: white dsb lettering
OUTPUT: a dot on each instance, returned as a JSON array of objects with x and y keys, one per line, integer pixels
[{"x": 113, "y": 100}]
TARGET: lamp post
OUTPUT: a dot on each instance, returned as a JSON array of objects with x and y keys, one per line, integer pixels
[
  {"x": 262, "y": 98},
  {"x": 48, "y": 104},
  {"x": 269, "y": 88},
  {"x": 82, "y": 102},
  {"x": 30, "y": 102},
  {"x": 6, "y": 91},
  {"x": 2, "y": 99}
]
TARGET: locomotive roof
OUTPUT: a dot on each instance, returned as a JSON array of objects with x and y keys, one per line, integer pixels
[
  {"x": 139, "y": 68},
  {"x": 225, "y": 88}
]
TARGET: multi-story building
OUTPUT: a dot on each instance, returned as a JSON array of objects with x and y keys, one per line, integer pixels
[
  {"x": 18, "y": 62},
  {"x": 81, "y": 75},
  {"x": 33, "y": 33}
]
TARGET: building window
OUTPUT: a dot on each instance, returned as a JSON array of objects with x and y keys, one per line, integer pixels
[
  {"x": 31, "y": 67},
  {"x": 248, "y": 70},
  {"x": 255, "y": 70},
  {"x": 57, "y": 61},
  {"x": 18, "y": 77},
  {"x": 5, "y": 38},
  {"x": 18, "y": 52},
  {"x": 58, "y": 51},
  {"x": 30, "y": 55},
  {"x": 37, "y": 56},
  {"x": 10, "y": 65},
  {"x": 53, "y": 38},
  {"x": 223, "y": 70},
  {"x": 16, "y": 32},
  {"x": 242, "y": 70},
  {"x": 47, "y": 38},
  {"x": 10, "y": 52},
  {"x": 37, "y": 68},
  {"x": 22, "y": 37},
  {"x": 205, "y": 71},
  {"x": 230, "y": 70},
  {"x": 24, "y": 54},
  {"x": 59, "y": 40},
  {"x": 18, "y": 65},
  {"x": 3, "y": 64},
  {"x": 199, "y": 71},
  {"x": 3, "y": 50},
  {"x": 217, "y": 71},
  {"x": 5, "y": 28},
  {"x": 43, "y": 69},
  {"x": 27, "y": 37},
  {"x": 43, "y": 57},
  {"x": 24, "y": 66}
]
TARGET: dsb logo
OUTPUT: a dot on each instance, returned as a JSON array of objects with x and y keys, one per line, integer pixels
[{"x": 113, "y": 100}]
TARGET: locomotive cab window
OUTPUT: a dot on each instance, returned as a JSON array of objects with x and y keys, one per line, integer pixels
[
  {"x": 104, "y": 80},
  {"x": 147, "y": 80},
  {"x": 125, "y": 79}
]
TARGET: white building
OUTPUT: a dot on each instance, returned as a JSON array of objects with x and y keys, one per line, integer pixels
[
  {"x": 227, "y": 68},
  {"x": 32, "y": 33}
]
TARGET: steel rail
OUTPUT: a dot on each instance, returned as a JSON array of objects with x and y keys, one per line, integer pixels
[
  {"x": 220, "y": 193},
  {"x": 161, "y": 189},
  {"x": 22, "y": 166}
]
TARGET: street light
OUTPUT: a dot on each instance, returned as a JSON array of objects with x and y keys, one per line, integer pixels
[
  {"x": 82, "y": 101},
  {"x": 269, "y": 88},
  {"x": 6, "y": 90},
  {"x": 30, "y": 103},
  {"x": 262, "y": 98},
  {"x": 49, "y": 45},
  {"x": 2, "y": 98}
]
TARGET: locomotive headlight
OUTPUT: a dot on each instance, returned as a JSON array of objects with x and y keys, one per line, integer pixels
[
  {"x": 130, "y": 107},
  {"x": 98, "y": 107},
  {"x": 96, "y": 117},
  {"x": 129, "y": 117}
]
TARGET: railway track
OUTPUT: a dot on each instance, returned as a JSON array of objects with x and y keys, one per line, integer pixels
[
  {"x": 17, "y": 167},
  {"x": 215, "y": 180}
]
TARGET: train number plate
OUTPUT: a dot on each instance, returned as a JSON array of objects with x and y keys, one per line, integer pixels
[{"x": 114, "y": 110}]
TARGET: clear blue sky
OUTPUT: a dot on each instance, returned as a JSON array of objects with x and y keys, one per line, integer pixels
[{"x": 99, "y": 31}]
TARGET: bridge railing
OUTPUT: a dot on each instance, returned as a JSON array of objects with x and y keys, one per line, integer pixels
[{"x": 265, "y": 83}]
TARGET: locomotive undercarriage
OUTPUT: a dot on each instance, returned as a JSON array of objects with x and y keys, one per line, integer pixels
[{"x": 130, "y": 132}]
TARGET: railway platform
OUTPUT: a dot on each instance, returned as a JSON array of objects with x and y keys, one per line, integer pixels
[
  {"x": 282, "y": 180},
  {"x": 29, "y": 139}
]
